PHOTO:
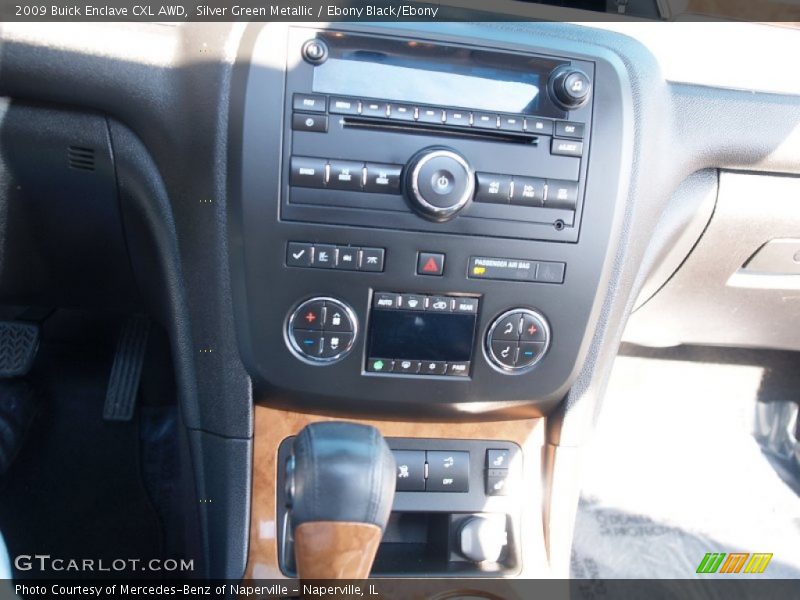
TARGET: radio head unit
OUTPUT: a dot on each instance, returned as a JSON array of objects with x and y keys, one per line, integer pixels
[{"x": 506, "y": 135}]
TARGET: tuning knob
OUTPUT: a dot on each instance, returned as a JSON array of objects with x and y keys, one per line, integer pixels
[
  {"x": 569, "y": 87},
  {"x": 439, "y": 183}
]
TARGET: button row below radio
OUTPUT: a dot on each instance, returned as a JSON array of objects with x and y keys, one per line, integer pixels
[
  {"x": 403, "y": 366},
  {"x": 526, "y": 191},
  {"x": 345, "y": 175},
  {"x": 327, "y": 256},
  {"x": 419, "y": 302}
]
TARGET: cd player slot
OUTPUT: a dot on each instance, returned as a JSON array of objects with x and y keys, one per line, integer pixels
[{"x": 428, "y": 128}]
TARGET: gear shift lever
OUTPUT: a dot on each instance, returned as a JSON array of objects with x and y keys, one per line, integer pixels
[{"x": 341, "y": 479}]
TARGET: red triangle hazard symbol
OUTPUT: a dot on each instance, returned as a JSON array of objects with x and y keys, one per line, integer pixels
[{"x": 431, "y": 266}]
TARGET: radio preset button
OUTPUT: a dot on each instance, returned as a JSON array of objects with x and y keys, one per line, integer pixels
[
  {"x": 401, "y": 112},
  {"x": 345, "y": 175},
  {"x": 528, "y": 191},
  {"x": 484, "y": 120},
  {"x": 458, "y": 118},
  {"x": 566, "y": 148},
  {"x": 561, "y": 194},
  {"x": 309, "y": 102},
  {"x": 569, "y": 129},
  {"x": 383, "y": 178},
  {"x": 511, "y": 123},
  {"x": 374, "y": 109},
  {"x": 430, "y": 115},
  {"x": 307, "y": 172},
  {"x": 540, "y": 126},
  {"x": 310, "y": 122},
  {"x": 493, "y": 188},
  {"x": 344, "y": 106}
]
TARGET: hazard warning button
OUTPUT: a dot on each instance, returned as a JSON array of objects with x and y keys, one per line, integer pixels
[{"x": 430, "y": 263}]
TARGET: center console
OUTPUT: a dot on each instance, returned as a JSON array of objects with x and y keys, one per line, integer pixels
[{"x": 421, "y": 223}]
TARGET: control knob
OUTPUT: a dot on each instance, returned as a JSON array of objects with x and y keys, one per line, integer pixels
[
  {"x": 439, "y": 183},
  {"x": 569, "y": 87}
]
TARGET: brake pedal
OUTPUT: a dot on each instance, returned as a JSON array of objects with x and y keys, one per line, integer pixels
[
  {"x": 126, "y": 371},
  {"x": 18, "y": 344}
]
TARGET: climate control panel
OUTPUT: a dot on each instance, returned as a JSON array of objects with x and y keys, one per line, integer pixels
[
  {"x": 517, "y": 340},
  {"x": 321, "y": 330}
]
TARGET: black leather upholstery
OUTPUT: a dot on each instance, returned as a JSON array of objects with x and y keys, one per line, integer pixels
[{"x": 342, "y": 472}]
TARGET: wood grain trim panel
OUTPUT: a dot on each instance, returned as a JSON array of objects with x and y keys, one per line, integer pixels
[
  {"x": 332, "y": 550},
  {"x": 272, "y": 426}
]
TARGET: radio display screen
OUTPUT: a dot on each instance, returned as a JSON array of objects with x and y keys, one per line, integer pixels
[
  {"x": 418, "y": 335},
  {"x": 423, "y": 73}
]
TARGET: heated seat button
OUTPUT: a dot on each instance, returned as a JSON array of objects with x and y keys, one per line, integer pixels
[
  {"x": 493, "y": 188},
  {"x": 447, "y": 471},
  {"x": 307, "y": 172},
  {"x": 410, "y": 470},
  {"x": 528, "y": 191},
  {"x": 308, "y": 343},
  {"x": 311, "y": 317},
  {"x": 345, "y": 175},
  {"x": 309, "y": 122},
  {"x": 497, "y": 458},
  {"x": 532, "y": 329},
  {"x": 383, "y": 179},
  {"x": 504, "y": 352},
  {"x": 497, "y": 482}
]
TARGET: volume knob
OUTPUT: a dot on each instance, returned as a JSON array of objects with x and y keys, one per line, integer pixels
[
  {"x": 439, "y": 183},
  {"x": 570, "y": 87}
]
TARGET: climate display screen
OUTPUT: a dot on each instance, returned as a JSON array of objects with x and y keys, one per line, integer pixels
[{"x": 418, "y": 335}]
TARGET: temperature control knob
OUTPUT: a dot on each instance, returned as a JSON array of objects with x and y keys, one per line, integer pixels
[
  {"x": 439, "y": 183},
  {"x": 570, "y": 87},
  {"x": 517, "y": 340},
  {"x": 321, "y": 330}
]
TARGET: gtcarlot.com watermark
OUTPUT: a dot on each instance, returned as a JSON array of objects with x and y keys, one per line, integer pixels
[{"x": 46, "y": 563}]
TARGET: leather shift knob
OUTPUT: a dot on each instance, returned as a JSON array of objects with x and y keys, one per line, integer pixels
[{"x": 342, "y": 485}]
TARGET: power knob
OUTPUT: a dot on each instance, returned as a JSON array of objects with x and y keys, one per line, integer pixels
[
  {"x": 439, "y": 183},
  {"x": 569, "y": 87}
]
